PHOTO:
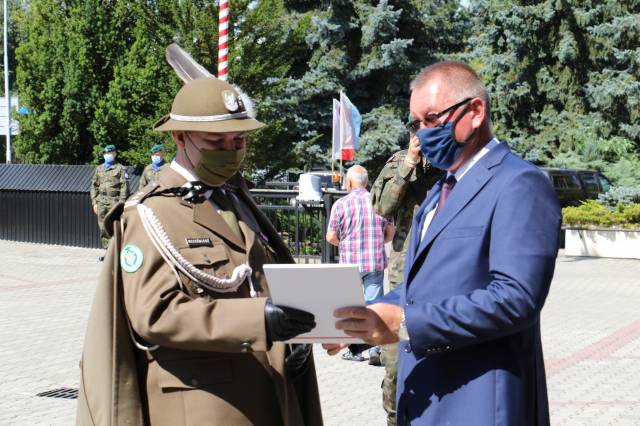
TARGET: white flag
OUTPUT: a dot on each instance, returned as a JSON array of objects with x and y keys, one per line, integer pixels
[
  {"x": 350, "y": 121},
  {"x": 335, "y": 141}
]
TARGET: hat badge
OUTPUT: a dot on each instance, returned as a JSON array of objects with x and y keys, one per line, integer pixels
[{"x": 230, "y": 101}]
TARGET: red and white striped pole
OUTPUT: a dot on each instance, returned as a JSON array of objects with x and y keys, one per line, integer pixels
[{"x": 223, "y": 40}]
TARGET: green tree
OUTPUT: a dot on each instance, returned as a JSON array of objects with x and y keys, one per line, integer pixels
[
  {"x": 370, "y": 50},
  {"x": 144, "y": 84},
  {"x": 142, "y": 87},
  {"x": 564, "y": 76},
  {"x": 65, "y": 62},
  {"x": 270, "y": 48}
]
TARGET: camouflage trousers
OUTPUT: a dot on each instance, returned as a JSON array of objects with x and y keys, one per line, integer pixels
[
  {"x": 102, "y": 213},
  {"x": 389, "y": 357}
]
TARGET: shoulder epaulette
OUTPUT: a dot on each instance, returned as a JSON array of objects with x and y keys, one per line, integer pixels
[{"x": 139, "y": 196}]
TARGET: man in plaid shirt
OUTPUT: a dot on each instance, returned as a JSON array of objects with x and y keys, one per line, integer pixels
[{"x": 360, "y": 235}]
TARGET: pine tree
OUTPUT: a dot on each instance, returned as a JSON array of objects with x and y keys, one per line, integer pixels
[
  {"x": 564, "y": 78},
  {"x": 370, "y": 50}
]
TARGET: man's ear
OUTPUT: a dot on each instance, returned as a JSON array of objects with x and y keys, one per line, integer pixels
[
  {"x": 478, "y": 111},
  {"x": 178, "y": 137}
]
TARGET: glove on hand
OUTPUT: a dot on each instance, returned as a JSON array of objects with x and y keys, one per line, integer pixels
[
  {"x": 294, "y": 362},
  {"x": 284, "y": 323}
]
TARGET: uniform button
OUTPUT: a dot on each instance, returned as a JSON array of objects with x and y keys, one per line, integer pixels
[
  {"x": 448, "y": 347},
  {"x": 195, "y": 382},
  {"x": 246, "y": 345},
  {"x": 407, "y": 348}
]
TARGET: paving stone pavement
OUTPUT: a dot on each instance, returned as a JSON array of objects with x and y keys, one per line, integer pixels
[{"x": 590, "y": 326}]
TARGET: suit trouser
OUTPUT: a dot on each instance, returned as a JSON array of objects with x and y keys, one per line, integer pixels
[{"x": 389, "y": 357}]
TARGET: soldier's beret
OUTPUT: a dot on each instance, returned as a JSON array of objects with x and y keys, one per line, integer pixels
[
  {"x": 109, "y": 148},
  {"x": 157, "y": 148}
]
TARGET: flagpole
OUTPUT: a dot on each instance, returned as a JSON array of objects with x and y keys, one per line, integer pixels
[
  {"x": 6, "y": 81},
  {"x": 223, "y": 40}
]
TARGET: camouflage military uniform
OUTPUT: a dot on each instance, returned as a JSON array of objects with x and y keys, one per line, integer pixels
[
  {"x": 150, "y": 175},
  {"x": 108, "y": 187},
  {"x": 398, "y": 192}
]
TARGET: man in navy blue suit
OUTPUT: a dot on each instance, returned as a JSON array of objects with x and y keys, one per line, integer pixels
[{"x": 478, "y": 270}]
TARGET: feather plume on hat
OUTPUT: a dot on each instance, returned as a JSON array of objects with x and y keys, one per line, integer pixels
[{"x": 188, "y": 69}]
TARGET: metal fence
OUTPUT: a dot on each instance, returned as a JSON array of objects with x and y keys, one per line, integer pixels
[
  {"x": 301, "y": 224},
  {"x": 50, "y": 204}
]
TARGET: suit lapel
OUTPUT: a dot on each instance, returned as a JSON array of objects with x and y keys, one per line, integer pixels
[
  {"x": 475, "y": 179},
  {"x": 418, "y": 219},
  {"x": 249, "y": 236}
]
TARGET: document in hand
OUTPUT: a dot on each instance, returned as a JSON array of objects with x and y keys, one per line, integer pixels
[{"x": 319, "y": 289}]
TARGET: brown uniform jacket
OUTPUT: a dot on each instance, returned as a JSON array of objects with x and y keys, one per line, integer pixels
[{"x": 213, "y": 365}]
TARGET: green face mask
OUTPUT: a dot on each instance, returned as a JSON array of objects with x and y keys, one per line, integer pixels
[{"x": 217, "y": 166}]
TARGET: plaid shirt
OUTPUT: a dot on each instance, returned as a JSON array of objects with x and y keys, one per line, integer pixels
[{"x": 360, "y": 231}]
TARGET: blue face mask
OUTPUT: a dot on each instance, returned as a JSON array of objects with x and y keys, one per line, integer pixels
[
  {"x": 439, "y": 146},
  {"x": 109, "y": 158},
  {"x": 156, "y": 160}
]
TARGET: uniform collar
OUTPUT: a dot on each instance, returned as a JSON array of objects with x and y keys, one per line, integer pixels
[{"x": 189, "y": 177}]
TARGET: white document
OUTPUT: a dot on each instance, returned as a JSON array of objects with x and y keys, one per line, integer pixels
[{"x": 319, "y": 289}]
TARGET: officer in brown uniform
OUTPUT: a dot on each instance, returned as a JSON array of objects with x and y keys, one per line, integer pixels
[{"x": 208, "y": 340}]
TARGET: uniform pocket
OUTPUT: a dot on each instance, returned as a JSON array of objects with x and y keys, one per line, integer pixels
[
  {"x": 193, "y": 373},
  {"x": 214, "y": 257}
]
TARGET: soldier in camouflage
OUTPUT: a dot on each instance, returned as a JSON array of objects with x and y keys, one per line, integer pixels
[
  {"x": 397, "y": 193},
  {"x": 150, "y": 173},
  {"x": 108, "y": 187}
]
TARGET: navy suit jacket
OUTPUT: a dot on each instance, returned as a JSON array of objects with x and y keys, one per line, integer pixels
[{"x": 472, "y": 294}]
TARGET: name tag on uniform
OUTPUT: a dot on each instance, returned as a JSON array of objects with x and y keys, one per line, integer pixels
[{"x": 199, "y": 242}]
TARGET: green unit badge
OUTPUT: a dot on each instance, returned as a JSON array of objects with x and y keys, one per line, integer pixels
[{"x": 131, "y": 258}]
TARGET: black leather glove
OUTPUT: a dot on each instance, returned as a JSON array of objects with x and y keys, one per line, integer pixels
[
  {"x": 295, "y": 362},
  {"x": 284, "y": 323}
]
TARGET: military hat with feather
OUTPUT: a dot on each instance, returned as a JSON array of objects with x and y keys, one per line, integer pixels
[{"x": 205, "y": 103}]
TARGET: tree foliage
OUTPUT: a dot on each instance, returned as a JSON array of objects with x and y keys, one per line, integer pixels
[
  {"x": 370, "y": 50},
  {"x": 565, "y": 80},
  {"x": 564, "y": 75}
]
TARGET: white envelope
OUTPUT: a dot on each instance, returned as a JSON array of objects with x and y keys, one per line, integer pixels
[{"x": 319, "y": 289}]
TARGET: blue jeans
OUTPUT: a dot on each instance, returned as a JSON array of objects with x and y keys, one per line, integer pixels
[{"x": 373, "y": 283}]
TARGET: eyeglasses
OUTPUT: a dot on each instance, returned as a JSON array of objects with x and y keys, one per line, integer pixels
[{"x": 432, "y": 119}]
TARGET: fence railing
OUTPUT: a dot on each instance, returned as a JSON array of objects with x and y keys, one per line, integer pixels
[{"x": 301, "y": 224}]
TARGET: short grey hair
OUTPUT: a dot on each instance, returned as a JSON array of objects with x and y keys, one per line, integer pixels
[
  {"x": 358, "y": 174},
  {"x": 455, "y": 74}
]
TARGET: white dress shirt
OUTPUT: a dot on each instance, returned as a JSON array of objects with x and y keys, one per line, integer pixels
[{"x": 459, "y": 175}]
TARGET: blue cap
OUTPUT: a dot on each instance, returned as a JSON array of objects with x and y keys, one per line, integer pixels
[{"x": 109, "y": 148}]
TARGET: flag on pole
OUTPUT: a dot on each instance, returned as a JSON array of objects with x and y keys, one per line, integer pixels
[
  {"x": 350, "y": 121},
  {"x": 335, "y": 142}
]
